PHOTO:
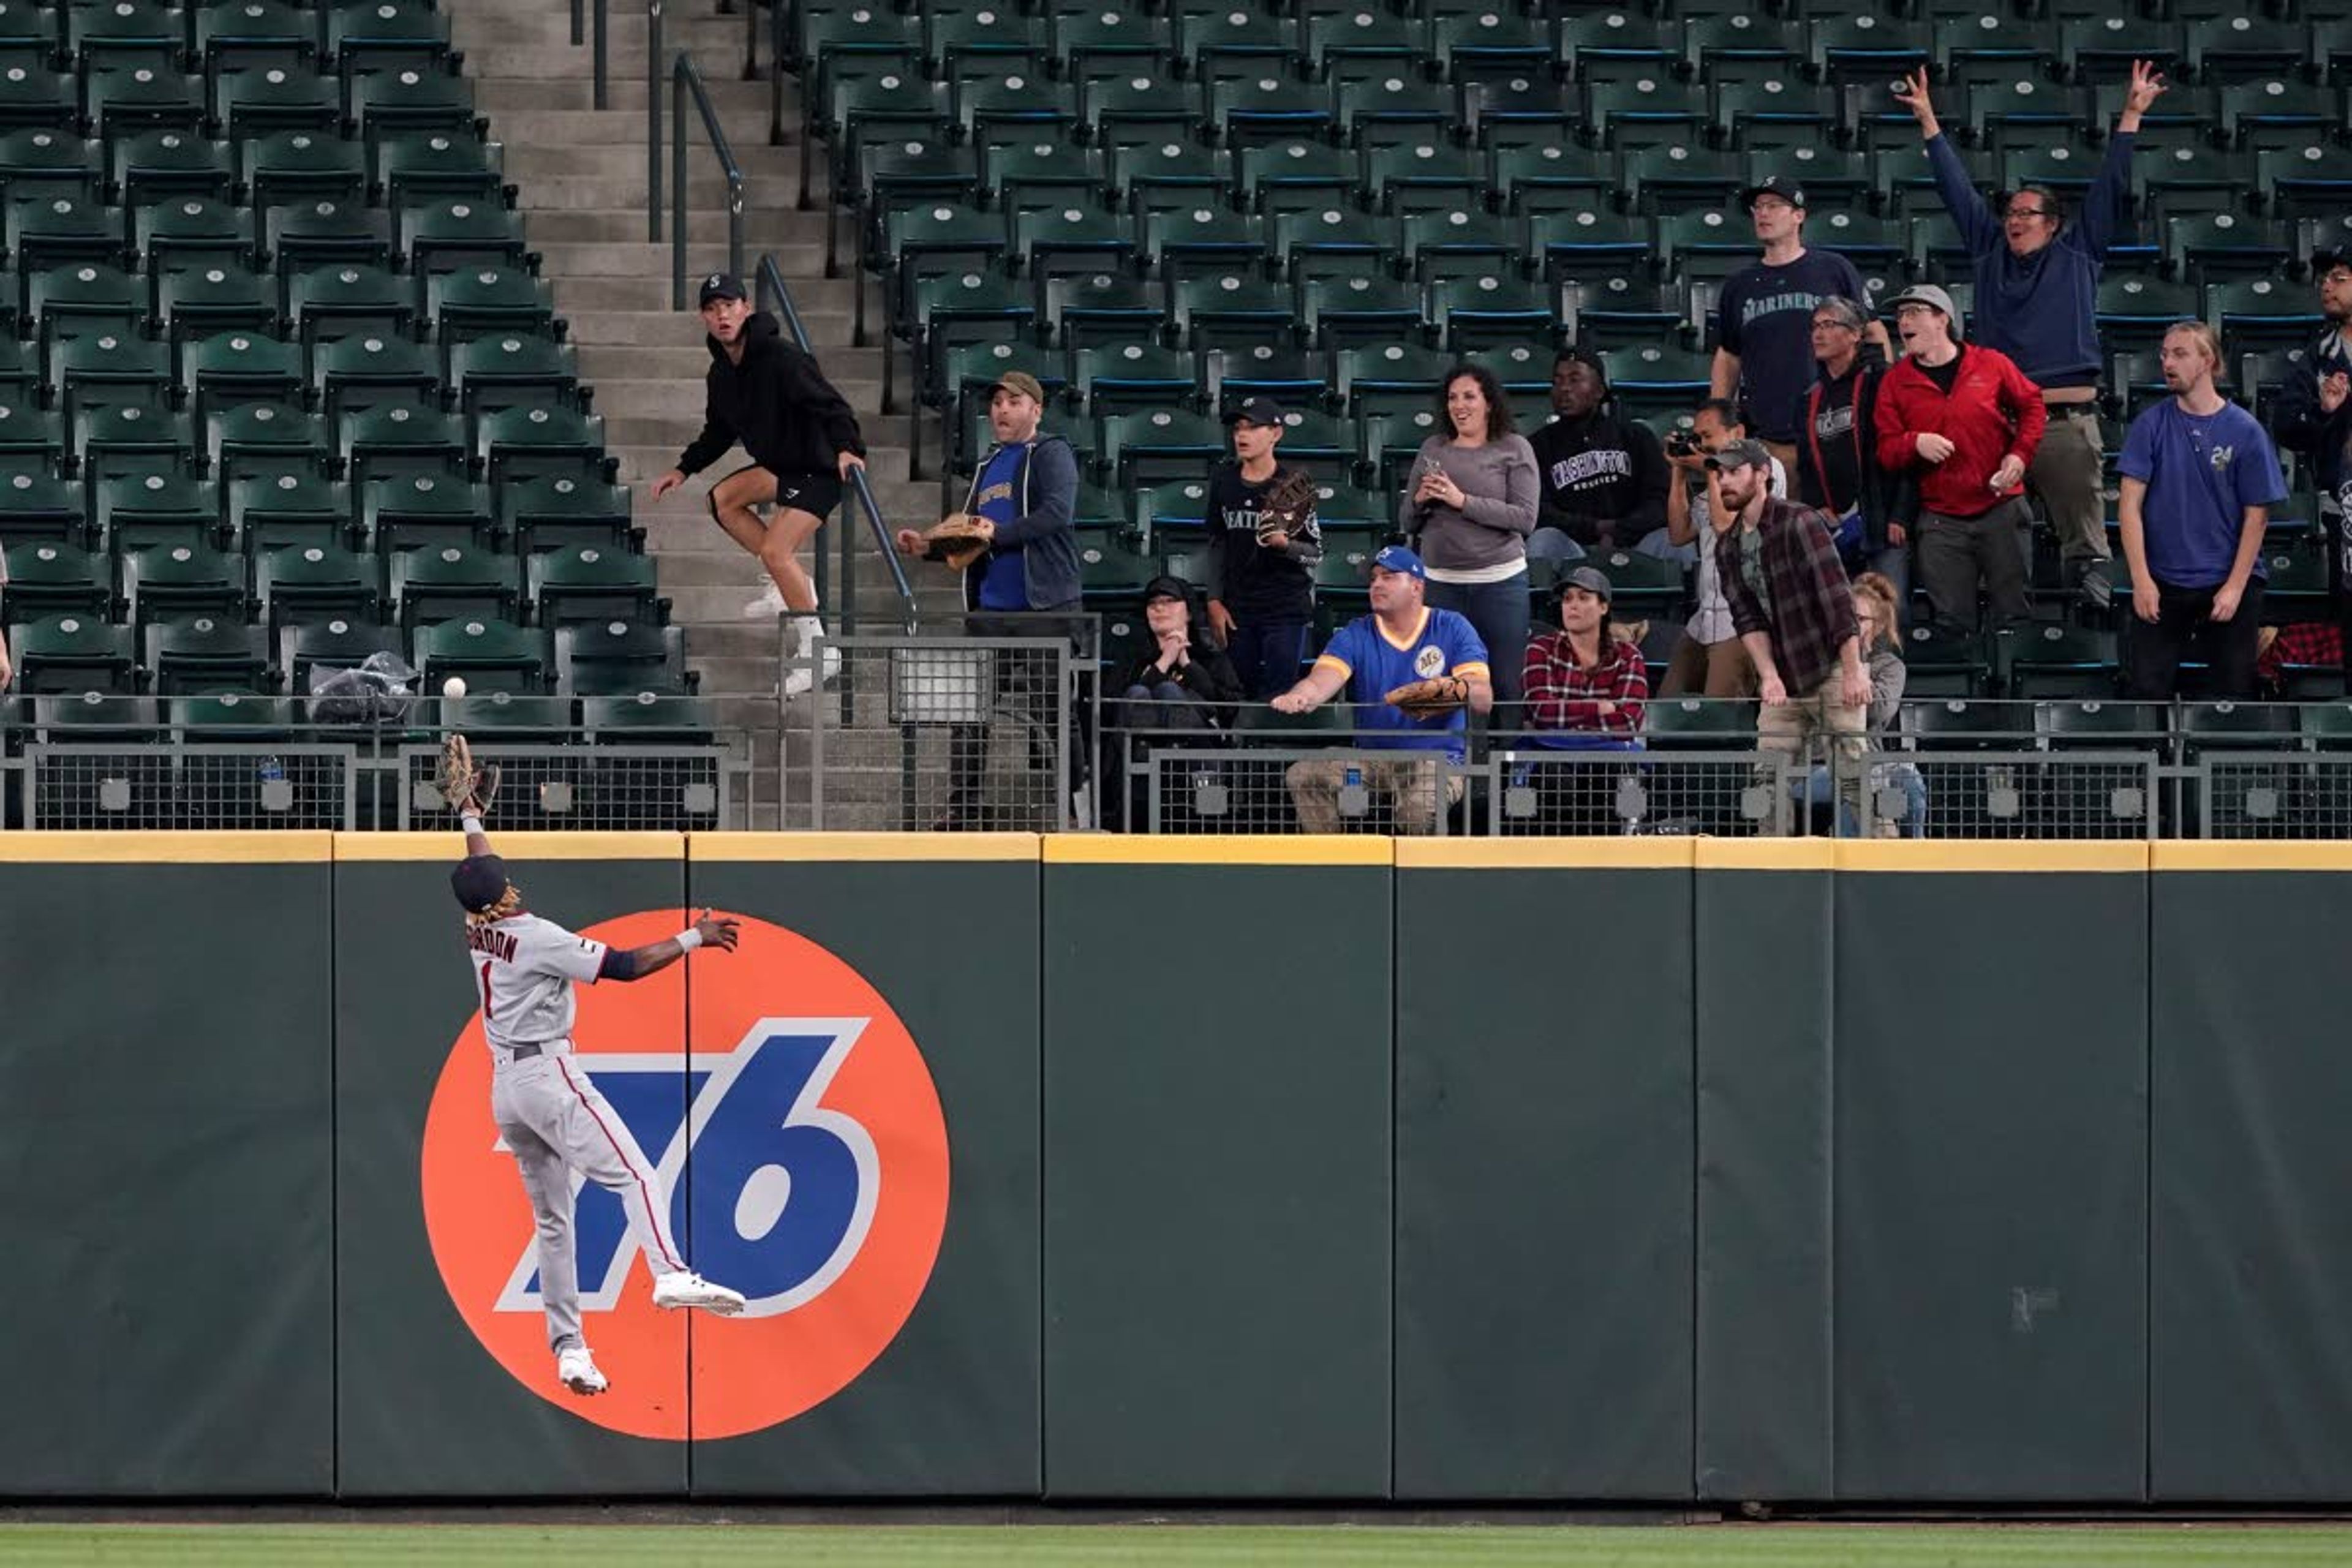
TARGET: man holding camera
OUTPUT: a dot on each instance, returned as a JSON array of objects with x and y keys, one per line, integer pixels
[{"x": 1710, "y": 659}]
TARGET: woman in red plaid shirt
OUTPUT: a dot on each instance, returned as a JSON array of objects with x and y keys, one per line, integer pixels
[{"x": 1585, "y": 684}]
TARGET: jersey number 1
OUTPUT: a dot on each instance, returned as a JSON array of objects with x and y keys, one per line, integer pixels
[{"x": 486, "y": 991}]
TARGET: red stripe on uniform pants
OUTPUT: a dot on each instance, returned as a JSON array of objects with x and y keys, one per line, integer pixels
[{"x": 644, "y": 1191}]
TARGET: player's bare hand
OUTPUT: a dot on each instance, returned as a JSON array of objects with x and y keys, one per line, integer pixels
[
  {"x": 2333, "y": 390},
  {"x": 847, "y": 462},
  {"x": 1934, "y": 447},
  {"x": 908, "y": 542},
  {"x": 717, "y": 930},
  {"x": 2148, "y": 85},
  {"x": 667, "y": 483}
]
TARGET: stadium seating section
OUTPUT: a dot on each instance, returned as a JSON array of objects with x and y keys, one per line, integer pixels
[
  {"x": 1162, "y": 211},
  {"x": 281, "y": 386}
]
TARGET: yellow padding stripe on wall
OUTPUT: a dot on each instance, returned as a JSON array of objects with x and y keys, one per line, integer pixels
[
  {"x": 451, "y": 846},
  {"x": 706, "y": 847},
  {"x": 1990, "y": 856},
  {"x": 1660, "y": 854},
  {"x": 2176, "y": 855},
  {"x": 164, "y": 848},
  {"x": 1216, "y": 849},
  {"x": 1766, "y": 855}
]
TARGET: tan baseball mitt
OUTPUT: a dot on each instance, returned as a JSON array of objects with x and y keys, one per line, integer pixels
[
  {"x": 1283, "y": 511},
  {"x": 955, "y": 538},
  {"x": 1431, "y": 698},
  {"x": 466, "y": 785}
]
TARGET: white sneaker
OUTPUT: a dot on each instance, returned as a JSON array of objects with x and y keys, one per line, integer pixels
[
  {"x": 767, "y": 606},
  {"x": 685, "y": 1289},
  {"x": 576, "y": 1370},
  {"x": 798, "y": 681},
  {"x": 830, "y": 658}
]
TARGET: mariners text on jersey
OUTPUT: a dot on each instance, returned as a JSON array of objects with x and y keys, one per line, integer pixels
[{"x": 1767, "y": 304}]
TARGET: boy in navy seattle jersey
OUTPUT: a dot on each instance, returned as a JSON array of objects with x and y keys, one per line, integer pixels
[{"x": 1401, "y": 641}]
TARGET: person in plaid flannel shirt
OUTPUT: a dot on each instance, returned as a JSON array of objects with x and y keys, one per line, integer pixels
[
  {"x": 1585, "y": 686},
  {"x": 1794, "y": 609}
]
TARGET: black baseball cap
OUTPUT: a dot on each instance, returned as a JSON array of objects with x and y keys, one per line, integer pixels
[
  {"x": 721, "y": 286},
  {"x": 1256, "y": 411},
  {"x": 479, "y": 881},
  {"x": 1165, "y": 586},
  {"x": 1784, "y": 186},
  {"x": 2327, "y": 261}
]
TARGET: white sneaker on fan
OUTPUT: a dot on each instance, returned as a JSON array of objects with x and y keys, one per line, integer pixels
[{"x": 767, "y": 606}]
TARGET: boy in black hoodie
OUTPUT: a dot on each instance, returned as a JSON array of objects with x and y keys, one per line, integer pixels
[
  {"x": 803, "y": 440},
  {"x": 1604, "y": 478}
]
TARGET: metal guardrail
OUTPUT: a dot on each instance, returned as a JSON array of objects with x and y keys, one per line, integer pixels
[
  {"x": 686, "y": 82},
  {"x": 769, "y": 283},
  {"x": 653, "y": 122},
  {"x": 601, "y": 35}
]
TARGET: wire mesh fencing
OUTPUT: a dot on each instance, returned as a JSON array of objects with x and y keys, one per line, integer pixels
[
  {"x": 1719, "y": 793},
  {"x": 581, "y": 788},
  {"x": 985, "y": 726},
  {"x": 103, "y": 786}
]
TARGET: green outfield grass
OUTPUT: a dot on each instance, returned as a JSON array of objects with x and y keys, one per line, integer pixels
[{"x": 1176, "y": 1546}]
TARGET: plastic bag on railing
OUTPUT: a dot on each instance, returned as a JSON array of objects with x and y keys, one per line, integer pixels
[{"x": 377, "y": 690}]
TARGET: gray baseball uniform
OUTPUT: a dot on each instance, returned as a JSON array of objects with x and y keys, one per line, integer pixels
[{"x": 551, "y": 1116}]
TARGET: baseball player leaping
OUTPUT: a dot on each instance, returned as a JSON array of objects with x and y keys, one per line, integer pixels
[{"x": 549, "y": 1114}]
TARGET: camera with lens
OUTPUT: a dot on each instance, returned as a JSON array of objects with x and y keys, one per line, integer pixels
[{"x": 1682, "y": 443}]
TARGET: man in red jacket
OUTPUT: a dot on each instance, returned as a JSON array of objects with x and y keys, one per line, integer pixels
[{"x": 1964, "y": 421}]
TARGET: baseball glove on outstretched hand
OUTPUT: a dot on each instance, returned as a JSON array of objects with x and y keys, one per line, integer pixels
[
  {"x": 1282, "y": 511},
  {"x": 954, "y": 539},
  {"x": 1429, "y": 698},
  {"x": 466, "y": 785}
]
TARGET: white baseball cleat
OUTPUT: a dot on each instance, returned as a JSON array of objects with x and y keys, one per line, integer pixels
[
  {"x": 685, "y": 1289},
  {"x": 576, "y": 1370}
]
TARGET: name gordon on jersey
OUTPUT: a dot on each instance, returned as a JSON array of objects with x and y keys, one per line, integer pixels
[{"x": 497, "y": 944}]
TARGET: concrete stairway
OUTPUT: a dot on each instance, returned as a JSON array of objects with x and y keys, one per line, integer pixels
[{"x": 582, "y": 179}]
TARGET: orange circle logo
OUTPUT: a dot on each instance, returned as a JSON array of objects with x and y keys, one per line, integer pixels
[{"x": 799, "y": 1137}]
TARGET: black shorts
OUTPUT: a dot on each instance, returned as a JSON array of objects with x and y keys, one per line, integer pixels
[{"x": 817, "y": 494}]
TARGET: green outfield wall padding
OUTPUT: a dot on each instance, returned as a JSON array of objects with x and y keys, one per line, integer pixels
[
  {"x": 951, "y": 1405},
  {"x": 1217, "y": 1075},
  {"x": 1543, "y": 1186},
  {"x": 165, "y": 1127},
  {"x": 1991, "y": 1186},
  {"x": 1765, "y": 1046},
  {"x": 426, "y": 1409},
  {"x": 2251, "y": 1278}
]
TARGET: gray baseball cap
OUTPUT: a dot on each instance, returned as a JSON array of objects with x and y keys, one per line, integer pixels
[
  {"x": 1926, "y": 294},
  {"x": 1743, "y": 454},
  {"x": 1591, "y": 579}
]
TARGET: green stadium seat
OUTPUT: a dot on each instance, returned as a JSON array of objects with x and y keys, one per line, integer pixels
[
  {"x": 2133, "y": 312},
  {"x": 1863, "y": 47},
  {"x": 106, "y": 367},
  {"x": 84, "y": 299},
  {"x": 73, "y": 653},
  {"x": 404, "y": 510},
  {"x": 1211, "y": 238},
  {"x": 28, "y": 35},
  {"x": 31, "y": 438},
  {"x": 390, "y": 103},
  {"x": 184, "y": 232},
  {"x": 1486, "y": 43},
  {"x": 545, "y": 513},
  {"x": 136, "y": 512},
  {"x": 475, "y": 302},
  {"x": 1945, "y": 661},
  {"x": 124, "y": 33},
  {"x": 317, "y": 242},
  {"x": 280, "y": 98},
  {"x": 2244, "y": 49},
  {"x": 438, "y": 165},
  {"x": 286, "y": 167},
  {"x": 354, "y": 373},
  {"x": 201, "y": 303},
  {"x": 253, "y": 34},
  {"x": 823, "y": 35},
  {"x": 1113, "y": 36},
  {"x": 330, "y": 302},
  {"x": 452, "y": 581},
  {"x": 593, "y": 582},
  {"x": 1771, "y": 115},
  {"x": 238, "y": 716},
  {"x": 1132, "y": 376},
  {"x": 1604, "y": 43},
  {"x": 1352, "y": 42},
  {"x": 1444, "y": 244},
  {"x": 57, "y": 232},
  {"x": 390, "y": 33},
  {"x": 2263, "y": 313},
  {"x": 40, "y": 507},
  {"x": 128, "y": 440},
  {"x": 956, "y": 44},
  {"x": 1209, "y": 43},
  {"x": 1257, "y": 109},
  {"x": 1397, "y": 111},
  {"x": 396, "y": 438},
  {"x": 44, "y": 162},
  {"x": 1110, "y": 570},
  {"x": 538, "y": 442},
  {"x": 1550, "y": 177},
  {"x": 1423, "y": 175},
  {"x": 505, "y": 371},
  {"x": 252, "y": 434},
  {"x": 1330, "y": 242},
  {"x": 163, "y": 581},
  {"x": 34, "y": 97},
  {"x": 1654, "y": 378},
  {"x": 1361, "y": 308},
  {"x": 965, "y": 307},
  {"x": 266, "y": 512},
  {"x": 1082, "y": 313},
  {"x": 1709, "y": 246},
  {"x": 2305, "y": 178},
  {"x": 491, "y": 655},
  {"x": 1391, "y": 440},
  {"x": 1017, "y": 103},
  {"x": 206, "y": 653},
  {"x": 2050, "y": 660},
  {"x": 1390, "y": 377},
  {"x": 50, "y": 577},
  {"x": 1176, "y": 511},
  {"x": 239, "y": 367},
  {"x": 1740, "y": 44},
  {"x": 464, "y": 233},
  {"x": 648, "y": 716},
  {"x": 1480, "y": 312},
  {"x": 307, "y": 650},
  {"x": 1140, "y": 446},
  {"x": 1290, "y": 175},
  {"x": 891, "y": 105},
  {"x": 1589, "y": 243},
  {"x": 1231, "y": 309},
  {"x": 1678, "y": 178},
  {"x": 1017, "y": 172},
  {"x": 2223, "y": 244},
  {"x": 1296, "y": 380},
  {"x": 2279, "y": 113},
  {"x": 1053, "y": 242},
  {"x": 615, "y": 658}
]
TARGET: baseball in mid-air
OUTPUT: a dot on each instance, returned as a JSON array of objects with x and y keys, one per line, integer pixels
[{"x": 454, "y": 686}]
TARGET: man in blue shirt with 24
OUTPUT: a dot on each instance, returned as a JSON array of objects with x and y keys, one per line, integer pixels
[{"x": 2200, "y": 477}]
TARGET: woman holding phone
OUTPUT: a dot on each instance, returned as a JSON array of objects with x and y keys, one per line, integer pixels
[{"x": 1469, "y": 507}]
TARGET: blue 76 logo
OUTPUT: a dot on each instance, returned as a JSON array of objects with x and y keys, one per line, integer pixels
[{"x": 779, "y": 1192}]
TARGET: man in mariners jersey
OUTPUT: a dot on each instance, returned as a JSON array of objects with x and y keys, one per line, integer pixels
[
  {"x": 1261, "y": 586},
  {"x": 1401, "y": 641},
  {"x": 549, "y": 1113}
]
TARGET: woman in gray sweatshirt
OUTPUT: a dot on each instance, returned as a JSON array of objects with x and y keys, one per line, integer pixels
[{"x": 1468, "y": 507}]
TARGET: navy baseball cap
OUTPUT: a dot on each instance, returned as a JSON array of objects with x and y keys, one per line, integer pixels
[
  {"x": 721, "y": 286},
  {"x": 1397, "y": 558},
  {"x": 1784, "y": 186},
  {"x": 1256, "y": 411},
  {"x": 1167, "y": 587},
  {"x": 479, "y": 881}
]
